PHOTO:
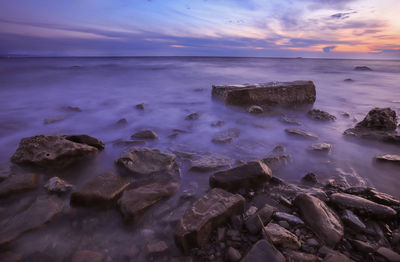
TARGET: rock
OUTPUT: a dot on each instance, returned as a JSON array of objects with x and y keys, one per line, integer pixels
[
  {"x": 127, "y": 143},
  {"x": 57, "y": 185},
  {"x": 350, "y": 219},
  {"x": 284, "y": 224},
  {"x": 248, "y": 175},
  {"x": 345, "y": 114},
  {"x": 71, "y": 108},
  {"x": 255, "y": 110},
  {"x": 318, "y": 114},
  {"x": 276, "y": 161},
  {"x": 218, "y": 123},
  {"x": 281, "y": 93},
  {"x": 301, "y": 133},
  {"x": 121, "y": 122},
  {"x": 321, "y": 147},
  {"x": 362, "y": 246},
  {"x": 233, "y": 255},
  {"x": 226, "y": 136},
  {"x": 379, "y": 119},
  {"x": 263, "y": 251},
  {"x": 102, "y": 190},
  {"x": 52, "y": 120},
  {"x": 265, "y": 214},
  {"x": 362, "y": 68},
  {"x": 320, "y": 218},
  {"x": 86, "y": 140},
  {"x": 388, "y": 158},
  {"x": 378, "y": 135},
  {"x": 156, "y": 247},
  {"x": 362, "y": 205},
  {"x": 18, "y": 183},
  {"x": 310, "y": 178},
  {"x": 348, "y": 80},
  {"x": 290, "y": 121},
  {"x": 134, "y": 201},
  {"x": 193, "y": 116},
  {"x": 50, "y": 151},
  {"x": 141, "y": 106},
  {"x": 10, "y": 257},
  {"x": 145, "y": 134},
  {"x": 388, "y": 254},
  {"x": 210, "y": 162},
  {"x": 335, "y": 256},
  {"x": 209, "y": 212},
  {"x": 293, "y": 220},
  {"x": 87, "y": 256},
  {"x": 312, "y": 242},
  {"x": 147, "y": 161},
  {"x": 281, "y": 237},
  {"x": 42, "y": 210},
  {"x": 295, "y": 256},
  {"x": 382, "y": 198}
]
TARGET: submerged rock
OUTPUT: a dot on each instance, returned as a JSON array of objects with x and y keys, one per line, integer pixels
[
  {"x": 210, "y": 162},
  {"x": 362, "y": 68},
  {"x": 218, "y": 123},
  {"x": 318, "y": 114},
  {"x": 263, "y": 251},
  {"x": 281, "y": 93},
  {"x": 145, "y": 134},
  {"x": 281, "y": 237},
  {"x": 212, "y": 210},
  {"x": 141, "y": 106},
  {"x": 57, "y": 185},
  {"x": 193, "y": 116},
  {"x": 388, "y": 158},
  {"x": 18, "y": 183},
  {"x": 50, "y": 151},
  {"x": 87, "y": 256},
  {"x": 121, "y": 122},
  {"x": 255, "y": 110},
  {"x": 226, "y": 136},
  {"x": 321, "y": 147},
  {"x": 301, "y": 133},
  {"x": 248, "y": 175},
  {"x": 71, "y": 108},
  {"x": 87, "y": 140}
]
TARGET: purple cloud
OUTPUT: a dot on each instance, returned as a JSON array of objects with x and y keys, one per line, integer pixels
[{"x": 327, "y": 49}]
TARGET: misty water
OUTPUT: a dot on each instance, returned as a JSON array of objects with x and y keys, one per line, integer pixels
[{"x": 107, "y": 90}]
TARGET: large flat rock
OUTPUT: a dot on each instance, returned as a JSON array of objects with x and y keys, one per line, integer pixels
[
  {"x": 272, "y": 93},
  {"x": 248, "y": 175},
  {"x": 18, "y": 183},
  {"x": 320, "y": 218},
  {"x": 263, "y": 251},
  {"x": 206, "y": 214},
  {"x": 43, "y": 209}
]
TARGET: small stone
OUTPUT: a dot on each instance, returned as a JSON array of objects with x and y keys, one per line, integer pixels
[
  {"x": 250, "y": 211},
  {"x": 145, "y": 134},
  {"x": 52, "y": 120},
  {"x": 321, "y": 147},
  {"x": 122, "y": 122},
  {"x": 318, "y": 114},
  {"x": 301, "y": 133},
  {"x": 363, "y": 246},
  {"x": 348, "y": 80},
  {"x": 312, "y": 242},
  {"x": 263, "y": 251},
  {"x": 281, "y": 237},
  {"x": 221, "y": 234},
  {"x": 18, "y": 183},
  {"x": 57, "y": 185},
  {"x": 255, "y": 110},
  {"x": 284, "y": 224},
  {"x": 87, "y": 256},
  {"x": 350, "y": 219},
  {"x": 291, "y": 219},
  {"x": 265, "y": 214},
  {"x": 296, "y": 256},
  {"x": 291, "y": 121},
  {"x": 310, "y": 178},
  {"x": 141, "y": 106},
  {"x": 210, "y": 162},
  {"x": 362, "y": 68},
  {"x": 233, "y": 255},
  {"x": 193, "y": 116},
  {"x": 72, "y": 108}
]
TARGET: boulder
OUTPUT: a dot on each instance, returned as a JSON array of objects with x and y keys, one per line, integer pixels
[
  {"x": 87, "y": 256},
  {"x": 265, "y": 214},
  {"x": 86, "y": 140},
  {"x": 50, "y": 151},
  {"x": 102, "y": 190},
  {"x": 206, "y": 214},
  {"x": 281, "y": 237},
  {"x": 263, "y": 251},
  {"x": 320, "y": 218},
  {"x": 41, "y": 211},
  {"x": 379, "y": 119},
  {"x": 321, "y": 147},
  {"x": 18, "y": 183},
  {"x": 362, "y": 68},
  {"x": 57, "y": 185},
  {"x": 388, "y": 254},
  {"x": 226, "y": 136},
  {"x": 301, "y": 133},
  {"x": 388, "y": 158},
  {"x": 318, "y": 114},
  {"x": 255, "y": 110},
  {"x": 272, "y": 93},
  {"x": 362, "y": 205},
  {"x": 145, "y": 134},
  {"x": 135, "y": 201},
  {"x": 210, "y": 162},
  {"x": 248, "y": 175}
]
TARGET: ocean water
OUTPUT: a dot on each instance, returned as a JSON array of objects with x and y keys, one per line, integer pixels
[{"x": 107, "y": 89}]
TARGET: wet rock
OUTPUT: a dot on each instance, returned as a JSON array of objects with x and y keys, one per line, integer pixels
[
  {"x": 310, "y": 178},
  {"x": 135, "y": 201},
  {"x": 351, "y": 220},
  {"x": 52, "y": 120},
  {"x": 233, "y": 255},
  {"x": 388, "y": 254},
  {"x": 248, "y": 175},
  {"x": 218, "y": 123},
  {"x": 290, "y": 121},
  {"x": 103, "y": 190},
  {"x": 301, "y": 133},
  {"x": 210, "y": 162},
  {"x": 265, "y": 214},
  {"x": 86, "y": 140},
  {"x": 281, "y": 237},
  {"x": 141, "y": 106},
  {"x": 362, "y": 246},
  {"x": 156, "y": 247},
  {"x": 226, "y": 136},
  {"x": 57, "y": 185},
  {"x": 388, "y": 158},
  {"x": 333, "y": 256},
  {"x": 362, "y": 68},
  {"x": 50, "y": 151},
  {"x": 145, "y": 134},
  {"x": 321, "y": 147},
  {"x": 18, "y": 183},
  {"x": 87, "y": 256},
  {"x": 379, "y": 119},
  {"x": 282, "y": 93},
  {"x": 320, "y": 218},
  {"x": 146, "y": 161},
  {"x": 295, "y": 256},
  {"x": 209, "y": 212},
  {"x": 193, "y": 116},
  {"x": 263, "y": 251},
  {"x": 291, "y": 219},
  {"x": 382, "y": 198},
  {"x": 42, "y": 210},
  {"x": 121, "y": 122},
  {"x": 255, "y": 110},
  {"x": 71, "y": 108},
  {"x": 362, "y": 205},
  {"x": 318, "y": 114}
]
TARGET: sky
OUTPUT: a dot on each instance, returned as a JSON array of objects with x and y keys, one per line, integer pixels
[{"x": 260, "y": 28}]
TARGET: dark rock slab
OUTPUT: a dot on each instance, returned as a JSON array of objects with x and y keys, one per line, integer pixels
[
  {"x": 265, "y": 214},
  {"x": 318, "y": 114},
  {"x": 18, "y": 183},
  {"x": 102, "y": 190},
  {"x": 301, "y": 133},
  {"x": 320, "y": 218},
  {"x": 212, "y": 210},
  {"x": 250, "y": 174},
  {"x": 145, "y": 134},
  {"x": 87, "y": 256},
  {"x": 226, "y": 136},
  {"x": 210, "y": 162},
  {"x": 42, "y": 210},
  {"x": 363, "y": 246},
  {"x": 272, "y": 93},
  {"x": 87, "y": 140},
  {"x": 263, "y": 251},
  {"x": 382, "y": 198}
]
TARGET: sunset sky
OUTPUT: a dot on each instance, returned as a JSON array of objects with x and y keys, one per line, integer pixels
[{"x": 268, "y": 28}]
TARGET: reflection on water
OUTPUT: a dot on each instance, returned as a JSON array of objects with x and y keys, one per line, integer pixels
[{"x": 107, "y": 89}]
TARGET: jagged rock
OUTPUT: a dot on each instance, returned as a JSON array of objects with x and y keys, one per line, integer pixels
[
  {"x": 310, "y": 178},
  {"x": 362, "y": 68},
  {"x": 193, "y": 116},
  {"x": 141, "y": 106},
  {"x": 320, "y": 218},
  {"x": 282, "y": 93},
  {"x": 209, "y": 212},
  {"x": 210, "y": 162},
  {"x": 18, "y": 183},
  {"x": 50, "y": 151},
  {"x": 265, "y": 214},
  {"x": 294, "y": 220},
  {"x": 145, "y": 134},
  {"x": 388, "y": 254},
  {"x": 295, "y": 256},
  {"x": 301, "y": 133},
  {"x": 388, "y": 158},
  {"x": 248, "y": 175},
  {"x": 226, "y": 136},
  {"x": 42, "y": 210},
  {"x": 102, "y": 190},
  {"x": 255, "y": 110},
  {"x": 263, "y": 251},
  {"x": 350, "y": 219},
  {"x": 318, "y": 114},
  {"x": 344, "y": 180},
  {"x": 233, "y": 255},
  {"x": 87, "y": 256},
  {"x": 86, "y": 140},
  {"x": 321, "y": 147},
  {"x": 281, "y": 237},
  {"x": 134, "y": 201},
  {"x": 147, "y": 161},
  {"x": 156, "y": 247},
  {"x": 57, "y": 185},
  {"x": 362, "y": 205},
  {"x": 379, "y": 119}
]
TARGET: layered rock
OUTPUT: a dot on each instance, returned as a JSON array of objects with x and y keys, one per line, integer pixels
[{"x": 18, "y": 183}]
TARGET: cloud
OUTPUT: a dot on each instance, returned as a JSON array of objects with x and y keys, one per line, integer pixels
[
  {"x": 327, "y": 49},
  {"x": 342, "y": 15}
]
